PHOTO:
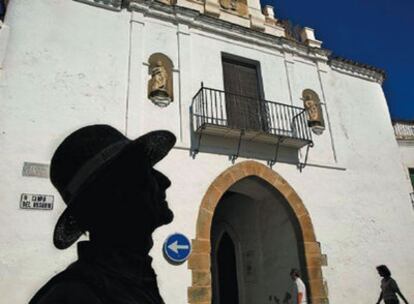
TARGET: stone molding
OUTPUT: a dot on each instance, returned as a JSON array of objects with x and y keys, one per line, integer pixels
[
  {"x": 308, "y": 37},
  {"x": 406, "y": 142},
  {"x": 357, "y": 69},
  {"x": 211, "y": 23},
  {"x": 257, "y": 19},
  {"x": 212, "y": 8},
  {"x": 197, "y": 20},
  {"x": 114, "y": 5},
  {"x": 200, "y": 291}
]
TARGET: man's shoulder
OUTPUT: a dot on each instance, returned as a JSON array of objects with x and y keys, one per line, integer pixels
[
  {"x": 68, "y": 292},
  {"x": 68, "y": 286}
]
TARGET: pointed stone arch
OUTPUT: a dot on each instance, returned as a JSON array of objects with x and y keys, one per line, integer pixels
[{"x": 199, "y": 262}]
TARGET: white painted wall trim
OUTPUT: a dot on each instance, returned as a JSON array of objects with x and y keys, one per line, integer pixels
[
  {"x": 356, "y": 70},
  {"x": 113, "y": 5},
  {"x": 4, "y": 39}
]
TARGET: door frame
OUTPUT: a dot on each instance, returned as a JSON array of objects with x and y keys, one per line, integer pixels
[
  {"x": 247, "y": 61},
  {"x": 200, "y": 259}
]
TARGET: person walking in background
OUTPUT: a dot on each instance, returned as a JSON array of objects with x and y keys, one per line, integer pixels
[
  {"x": 389, "y": 287},
  {"x": 299, "y": 286}
]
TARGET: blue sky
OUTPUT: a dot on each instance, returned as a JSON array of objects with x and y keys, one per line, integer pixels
[{"x": 375, "y": 32}]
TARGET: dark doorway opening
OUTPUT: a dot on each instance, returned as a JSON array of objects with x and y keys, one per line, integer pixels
[
  {"x": 227, "y": 272},
  {"x": 255, "y": 242}
]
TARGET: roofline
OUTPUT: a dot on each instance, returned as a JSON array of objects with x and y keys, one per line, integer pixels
[
  {"x": 197, "y": 19},
  {"x": 359, "y": 64},
  {"x": 397, "y": 120}
]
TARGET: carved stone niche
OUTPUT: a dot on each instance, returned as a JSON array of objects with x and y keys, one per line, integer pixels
[
  {"x": 314, "y": 112},
  {"x": 238, "y": 6},
  {"x": 160, "y": 82}
]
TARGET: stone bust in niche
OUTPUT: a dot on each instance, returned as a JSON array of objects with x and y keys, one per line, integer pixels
[
  {"x": 160, "y": 84},
  {"x": 314, "y": 110},
  {"x": 158, "y": 81}
]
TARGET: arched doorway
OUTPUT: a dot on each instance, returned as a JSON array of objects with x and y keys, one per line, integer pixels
[
  {"x": 225, "y": 270},
  {"x": 307, "y": 247},
  {"x": 269, "y": 244}
]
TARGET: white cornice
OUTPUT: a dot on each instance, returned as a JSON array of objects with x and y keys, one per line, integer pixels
[
  {"x": 194, "y": 19},
  {"x": 357, "y": 69},
  {"x": 113, "y": 5},
  {"x": 405, "y": 141}
]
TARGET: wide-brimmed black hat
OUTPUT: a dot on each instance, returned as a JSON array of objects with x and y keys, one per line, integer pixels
[{"x": 83, "y": 154}]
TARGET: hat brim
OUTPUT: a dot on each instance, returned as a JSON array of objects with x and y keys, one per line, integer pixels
[{"x": 155, "y": 144}]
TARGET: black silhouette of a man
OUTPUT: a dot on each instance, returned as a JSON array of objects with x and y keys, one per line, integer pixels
[{"x": 114, "y": 194}]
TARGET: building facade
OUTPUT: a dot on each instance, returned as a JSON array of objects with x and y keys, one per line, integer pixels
[
  {"x": 285, "y": 154},
  {"x": 404, "y": 133}
]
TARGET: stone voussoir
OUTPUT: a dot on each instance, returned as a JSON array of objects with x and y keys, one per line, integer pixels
[
  {"x": 237, "y": 173},
  {"x": 314, "y": 261},
  {"x": 317, "y": 289},
  {"x": 199, "y": 261},
  {"x": 201, "y": 246},
  {"x": 248, "y": 167},
  {"x": 201, "y": 278},
  {"x": 308, "y": 233},
  {"x": 224, "y": 181},
  {"x": 211, "y": 198},
  {"x": 199, "y": 295},
  {"x": 315, "y": 273},
  {"x": 312, "y": 248},
  {"x": 296, "y": 203},
  {"x": 268, "y": 175},
  {"x": 204, "y": 220}
]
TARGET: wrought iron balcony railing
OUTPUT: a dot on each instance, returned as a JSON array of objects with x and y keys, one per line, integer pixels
[{"x": 219, "y": 112}]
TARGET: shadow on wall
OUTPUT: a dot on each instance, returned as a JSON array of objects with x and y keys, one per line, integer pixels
[
  {"x": 287, "y": 299},
  {"x": 235, "y": 147}
]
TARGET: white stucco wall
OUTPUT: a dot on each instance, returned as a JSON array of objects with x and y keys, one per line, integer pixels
[
  {"x": 62, "y": 72},
  {"x": 64, "y": 68},
  {"x": 407, "y": 153}
]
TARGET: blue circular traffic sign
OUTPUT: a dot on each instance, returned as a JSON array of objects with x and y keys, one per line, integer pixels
[{"x": 177, "y": 248}]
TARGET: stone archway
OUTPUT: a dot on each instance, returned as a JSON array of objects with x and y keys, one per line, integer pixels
[{"x": 199, "y": 262}]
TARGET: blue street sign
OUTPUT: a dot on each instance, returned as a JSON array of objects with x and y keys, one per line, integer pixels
[{"x": 177, "y": 248}]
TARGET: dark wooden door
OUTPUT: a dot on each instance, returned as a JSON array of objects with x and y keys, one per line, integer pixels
[{"x": 243, "y": 100}]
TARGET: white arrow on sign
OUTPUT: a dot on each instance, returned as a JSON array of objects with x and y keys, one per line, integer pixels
[{"x": 175, "y": 247}]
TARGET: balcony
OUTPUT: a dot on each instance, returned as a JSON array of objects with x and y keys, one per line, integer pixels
[
  {"x": 412, "y": 198},
  {"x": 220, "y": 113}
]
